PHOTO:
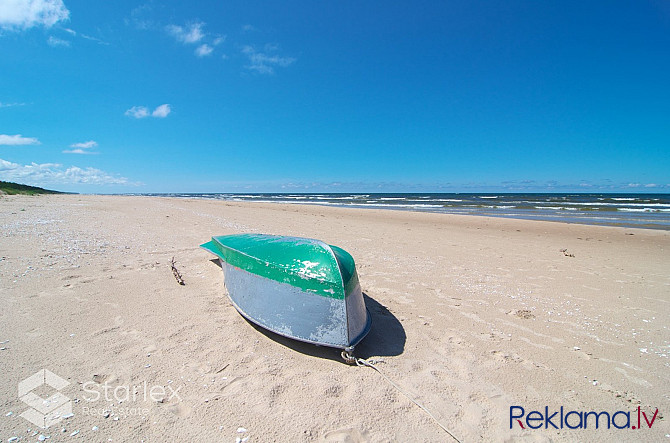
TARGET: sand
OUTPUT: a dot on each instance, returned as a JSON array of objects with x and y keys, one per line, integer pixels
[{"x": 471, "y": 315}]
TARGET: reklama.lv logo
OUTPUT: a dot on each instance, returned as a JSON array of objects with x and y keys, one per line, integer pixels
[{"x": 579, "y": 419}]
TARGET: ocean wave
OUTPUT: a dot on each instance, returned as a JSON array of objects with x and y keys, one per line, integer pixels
[
  {"x": 644, "y": 210},
  {"x": 397, "y": 205},
  {"x": 638, "y": 210},
  {"x": 617, "y": 204}
]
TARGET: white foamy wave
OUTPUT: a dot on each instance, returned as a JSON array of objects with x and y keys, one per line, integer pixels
[
  {"x": 392, "y": 205},
  {"x": 644, "y": 210},
  {"x": 648, "y": 204},
  {"x": 619, "y": 204}
]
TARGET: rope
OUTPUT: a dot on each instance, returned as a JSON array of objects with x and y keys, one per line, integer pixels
[
  {"x": 363, "y": 362},
  {"x": 349, "y": 358}
]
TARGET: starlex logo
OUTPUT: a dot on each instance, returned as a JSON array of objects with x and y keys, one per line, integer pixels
[
  {"x": 580, "y": 419},
  {"x": 44, "y": 412}
]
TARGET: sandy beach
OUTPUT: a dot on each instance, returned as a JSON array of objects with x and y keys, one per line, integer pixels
[{"x": 471, "y": 316}]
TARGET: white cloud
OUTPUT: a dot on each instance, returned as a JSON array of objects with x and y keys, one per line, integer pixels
[
  {"x": 54, "y": 173},
  {"x": 25, "y": 14},
  {"x": 203, "y": 50},
  {"x": 82, "y": 148},
  {"x": 17, "y": 139},
  {"x": 161, "y": 111},
  {"x": 264, "y": 63},
  {"x": 94, "y": 39},
  {"x": 85, "y": 145},
  {"x": 192, "y": 33},
  {"x": 138, "y": 17},
  {"x": 55, "y": 42},
  {"x": 9, "y": 105},
  {"x": 75, "y": 174},
  {"x": 138, "y": 112}
]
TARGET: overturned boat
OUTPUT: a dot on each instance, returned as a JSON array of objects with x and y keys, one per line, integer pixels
[{"x": 300, "y": 288}]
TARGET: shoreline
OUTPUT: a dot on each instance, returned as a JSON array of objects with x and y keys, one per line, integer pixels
[
  {"x": 379, "y": 211},
  {"x": 471, "y": 315},
  {"x": 591, "y": 212}
]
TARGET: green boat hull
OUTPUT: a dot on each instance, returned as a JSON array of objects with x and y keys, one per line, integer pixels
[{"x": 296, "y": 287}]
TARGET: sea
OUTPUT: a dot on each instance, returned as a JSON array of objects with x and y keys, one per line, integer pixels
[{"x": 650, "y": 211}]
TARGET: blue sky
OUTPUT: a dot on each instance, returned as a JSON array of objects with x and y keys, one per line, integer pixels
[{"x": 305, "y": 96}]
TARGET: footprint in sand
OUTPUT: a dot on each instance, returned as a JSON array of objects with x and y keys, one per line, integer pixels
[
  {"x": 104, "y": 331},
  {"x": 507, "y": 358},
  {"x": 111, "y": 380},
  {"x": 277, "y": 392},
  {"x": 181, "y": 409},
  {"x": 524, "y": 314},
  {"x": 198, "y": 367},
  {"x": 131, "y": 332},
  {"x": 516, "y": 358},
  {"x": 348, "y": 435},
  {"x": 34, "y": 332},
  {"x": 473, "y": 411},
  {"x": 333, "y": 391}
]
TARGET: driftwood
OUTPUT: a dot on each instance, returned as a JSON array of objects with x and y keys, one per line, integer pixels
[{"x": 176, "y": 273}]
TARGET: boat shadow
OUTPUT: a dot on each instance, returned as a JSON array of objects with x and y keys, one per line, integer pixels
[{"x": 385, "y": 339}]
